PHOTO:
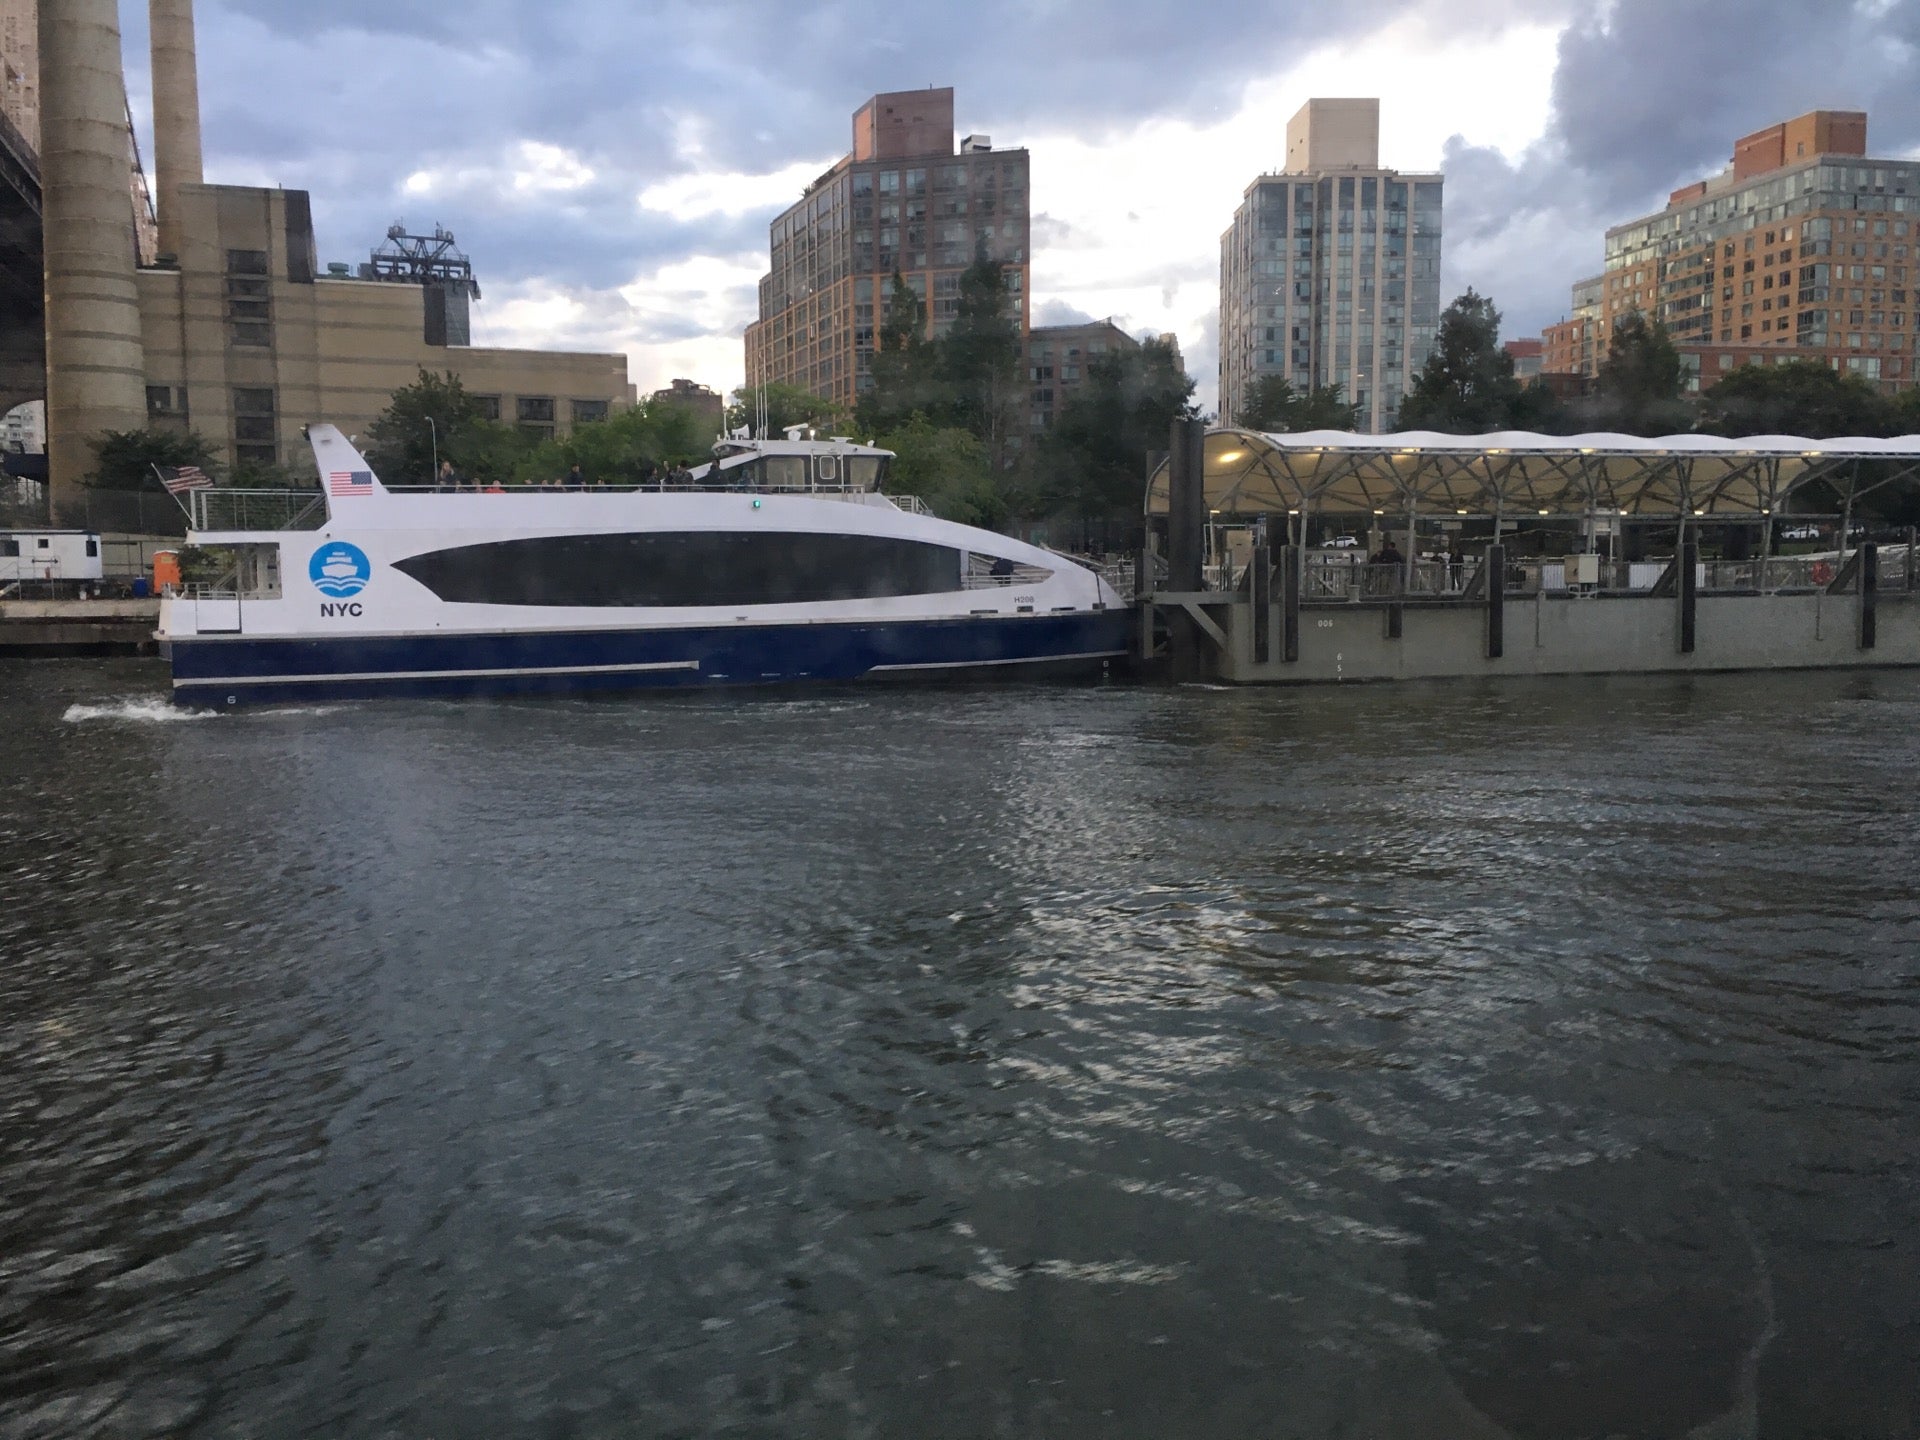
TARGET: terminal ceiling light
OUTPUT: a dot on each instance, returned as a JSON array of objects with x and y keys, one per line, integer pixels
[
  {"x": 1546, "y": 512},
  {"x": 1228, "y": 457}
]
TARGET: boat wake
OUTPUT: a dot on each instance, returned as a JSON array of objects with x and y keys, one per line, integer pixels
[
  {"x": 152, "y": 710},
  {"x": 140, "y": 709}
]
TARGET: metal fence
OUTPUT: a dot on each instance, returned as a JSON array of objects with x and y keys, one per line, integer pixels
[{"x": 228, "y": 510}]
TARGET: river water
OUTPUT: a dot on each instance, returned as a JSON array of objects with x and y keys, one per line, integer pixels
[{"x": 1534, "y": 1059}]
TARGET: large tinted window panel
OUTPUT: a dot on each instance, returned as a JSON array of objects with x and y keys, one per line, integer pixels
[{"x": 686, "y": 568}]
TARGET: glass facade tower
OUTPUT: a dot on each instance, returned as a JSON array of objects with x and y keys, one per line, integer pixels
[{"x": 1331, "y": 277}]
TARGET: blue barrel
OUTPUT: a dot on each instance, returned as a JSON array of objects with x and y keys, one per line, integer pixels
[{"x": 141, "y": 587}]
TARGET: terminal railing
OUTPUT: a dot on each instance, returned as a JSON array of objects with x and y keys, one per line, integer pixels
[{"x": 1353, "y": 579}]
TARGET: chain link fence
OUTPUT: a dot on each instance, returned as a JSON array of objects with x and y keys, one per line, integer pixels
[{"x": 24, "y": 505}]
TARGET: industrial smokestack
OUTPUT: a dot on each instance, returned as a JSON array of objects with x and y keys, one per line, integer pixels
[
  {"x": 95, "y": 370},
  {"x": 176, "y": 113}
]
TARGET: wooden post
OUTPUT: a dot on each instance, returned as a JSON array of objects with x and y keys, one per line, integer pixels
[
  {"x": 1260, "y": 591},
  {"x": 1869, "y": 595},
  {"x": 1686, "y": 584},
  {"x": 1291, "y": 580},
  {"x": 1494, "y": 570},
  {"x": 1186, "y": 541}
]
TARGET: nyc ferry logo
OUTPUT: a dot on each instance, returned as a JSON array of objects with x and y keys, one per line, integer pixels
[{"x": 340, "y": 570}]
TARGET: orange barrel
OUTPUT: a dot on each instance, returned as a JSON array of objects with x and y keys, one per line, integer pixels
[{"x": 166, "y": 571}]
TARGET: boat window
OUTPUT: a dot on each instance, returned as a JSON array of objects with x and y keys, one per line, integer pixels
[
  {"x": 828, "y": 469},
  {"x": 687, "y": 568},
  {"x": 786, "y": 472},
  {"x": 863, "y": 471}
]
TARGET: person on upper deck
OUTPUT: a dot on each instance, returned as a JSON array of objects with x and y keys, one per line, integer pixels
[{"x": 576, "y": 477}]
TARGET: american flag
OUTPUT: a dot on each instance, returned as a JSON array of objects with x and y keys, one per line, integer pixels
[
  {"x": 183, "y": 478},
  {"x": 350, "y": 482}
]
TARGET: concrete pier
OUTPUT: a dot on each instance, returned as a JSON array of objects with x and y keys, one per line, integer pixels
[{"x": 78, "y": 627}]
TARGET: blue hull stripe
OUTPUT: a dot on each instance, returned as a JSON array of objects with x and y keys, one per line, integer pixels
[{"x": 246, "y": 669}]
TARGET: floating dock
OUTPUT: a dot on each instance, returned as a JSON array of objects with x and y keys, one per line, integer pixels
[{"x": 1245, "y": 597}]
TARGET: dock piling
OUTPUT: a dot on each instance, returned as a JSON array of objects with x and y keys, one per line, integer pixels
[{"x": 1493, "y": 571}]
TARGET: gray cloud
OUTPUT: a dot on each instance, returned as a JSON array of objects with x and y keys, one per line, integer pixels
[
  {"x": 1649, "y": 95},
  {"x": 350, "y": 97}
]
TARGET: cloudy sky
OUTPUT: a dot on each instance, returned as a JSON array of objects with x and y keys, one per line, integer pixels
[{"x": 611, "y": 166}]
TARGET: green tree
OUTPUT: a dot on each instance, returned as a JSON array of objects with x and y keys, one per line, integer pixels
[
  {"x": 488, "y": 451},
  {"x": 124, "y": 459},
  {"x": 1801, "y": 397},
  {"x": 421, "y": 420},
  {"x": 1093, "y": 462},
  {"x": 1275, "y": 406},
  {"x": 1467, "y": 386},
  {"x": 905, "y": 365},
  {"x": 948, "y": 468},
  {"x": 983, "y": 363},
  {"x": 786, "y": 405},
  {"x": 1642, "y": 384}
]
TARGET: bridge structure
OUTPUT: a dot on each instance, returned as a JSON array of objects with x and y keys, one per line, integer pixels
[{"x": 23, "y": 330}]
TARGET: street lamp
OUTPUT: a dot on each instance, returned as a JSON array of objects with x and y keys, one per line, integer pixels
[{"x": 433, "y": 431}]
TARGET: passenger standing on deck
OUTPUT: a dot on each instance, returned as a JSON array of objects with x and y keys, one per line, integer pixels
[
  {"x": 576, "y": 479},
  {"x": 1388, "y": 566}
]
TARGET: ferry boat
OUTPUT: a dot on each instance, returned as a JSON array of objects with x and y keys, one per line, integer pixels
[{"x": 777, "y": 561}]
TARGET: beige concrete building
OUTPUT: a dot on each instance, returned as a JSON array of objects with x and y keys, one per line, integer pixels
[
  {"x": 234, "y": 331},
  {"x": 703, "y": 400},
  {"x": 245, "y": 342},
  {"x": 1334, "y": 135}
]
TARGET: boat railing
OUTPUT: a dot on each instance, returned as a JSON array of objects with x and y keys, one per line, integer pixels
[
  {"x": 824, "y": 489},
  {"x": 223, "y": 509},
  {"x": 989, "y": 572}
]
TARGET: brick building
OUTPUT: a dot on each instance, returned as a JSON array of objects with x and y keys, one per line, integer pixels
[
  {"x": 1802, "y": 248},
  {"x": 903, "y": 199}
]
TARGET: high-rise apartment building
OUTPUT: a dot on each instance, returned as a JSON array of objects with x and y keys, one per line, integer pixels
[
  {"x": 1331, "y": 272},
  {"x": 903, "y": 199},
  {"x": 1802, "y": 248}
]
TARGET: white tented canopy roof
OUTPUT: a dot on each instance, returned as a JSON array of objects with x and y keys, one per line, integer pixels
[{"x": 1520, "y": 473}]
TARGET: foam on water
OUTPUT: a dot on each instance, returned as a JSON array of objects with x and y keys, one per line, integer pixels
[{"x": 145, "y": 709}]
